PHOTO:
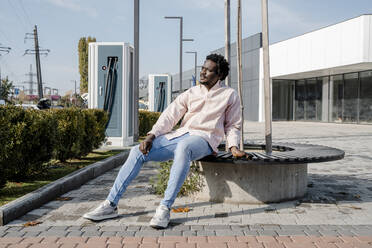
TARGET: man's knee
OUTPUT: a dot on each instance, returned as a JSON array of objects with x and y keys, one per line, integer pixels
[
  {"x": 183, "y": 148},
  {"x": 135, "y": 151}
]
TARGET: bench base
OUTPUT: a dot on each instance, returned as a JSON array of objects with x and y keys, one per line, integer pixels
[{"x": 253, "y": 183}]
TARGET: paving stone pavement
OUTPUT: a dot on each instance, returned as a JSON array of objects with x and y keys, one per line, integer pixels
[{"x": 336, "y": 212}]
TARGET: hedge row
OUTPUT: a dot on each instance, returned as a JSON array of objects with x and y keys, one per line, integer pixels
[
  {"x": 30, "y": 138},
  {"x": 146, "y": 120}
]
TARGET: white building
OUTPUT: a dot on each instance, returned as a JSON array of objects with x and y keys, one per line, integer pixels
[{"x": 324, "y": 75}]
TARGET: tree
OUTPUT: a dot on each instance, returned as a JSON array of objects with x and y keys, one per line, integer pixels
[
  {"x": 83, "y": 62},
  {"x": 6, "y": 89}
]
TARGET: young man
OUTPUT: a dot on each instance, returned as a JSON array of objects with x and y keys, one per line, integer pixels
[{"x": 210, "y": 111}]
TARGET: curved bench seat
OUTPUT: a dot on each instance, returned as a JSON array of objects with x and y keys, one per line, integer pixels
[{"x": 261, "y": 178}]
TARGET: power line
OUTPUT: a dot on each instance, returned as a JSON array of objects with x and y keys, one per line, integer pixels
[
  {"x": 18, "y": 16},
  {"x": 3, "y": 60},
  {"x": 37, "y": 51},
  {"x": 24, "y": 11},
  {"x": 5, "y": 36},
  {"x": 4, "y": 50}
]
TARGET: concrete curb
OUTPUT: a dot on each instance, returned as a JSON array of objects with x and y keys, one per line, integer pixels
[{"x": 37, "y": 198}]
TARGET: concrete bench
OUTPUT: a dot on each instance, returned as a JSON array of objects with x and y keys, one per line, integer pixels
[{"x": 261, "y": 178}]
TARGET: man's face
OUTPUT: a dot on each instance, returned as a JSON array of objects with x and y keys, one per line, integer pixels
[{"x": 208, "y": 74}]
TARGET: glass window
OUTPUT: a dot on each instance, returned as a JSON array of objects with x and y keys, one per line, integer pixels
[
  {"x": 310, "y": 99},
  {"x": 313, "y": 100},
  {"x": 351, "y": 85},
  {"x": 365, "y": 107},
  {"x": 337, "y": 97},
  {"x": 282, "y": 106},
  {"x": 323, "y": 98},
  {"x": 300, "y": 98}
]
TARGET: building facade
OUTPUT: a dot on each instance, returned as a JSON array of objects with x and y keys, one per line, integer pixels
[{"x": 324, "y": 75}]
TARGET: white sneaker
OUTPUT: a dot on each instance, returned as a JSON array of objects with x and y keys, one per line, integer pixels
[
  {"x": 161, "y": 217},
  {"x": 102, "y": 212}
]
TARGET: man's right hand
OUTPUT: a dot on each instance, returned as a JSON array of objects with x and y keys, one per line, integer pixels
[{"x": 145, "y": 145}]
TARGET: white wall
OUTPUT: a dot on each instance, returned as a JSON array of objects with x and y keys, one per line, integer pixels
[
  {"x": 367, "y": 27},
  {"x": 338, "y": 45},
  {"x": 339, "y": 48}
]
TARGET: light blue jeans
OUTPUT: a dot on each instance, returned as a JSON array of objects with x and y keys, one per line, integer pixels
[{"x": 182, "y": 150}]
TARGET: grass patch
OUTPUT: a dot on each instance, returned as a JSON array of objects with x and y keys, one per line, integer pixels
[
  {"x": 56, "y": 170},
  {"x": 193, "y": 182}
]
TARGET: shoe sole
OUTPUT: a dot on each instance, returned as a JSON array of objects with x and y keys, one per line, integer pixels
[
  {"x": 159, "y": 225},
  {"x": 105, "y": 217}
]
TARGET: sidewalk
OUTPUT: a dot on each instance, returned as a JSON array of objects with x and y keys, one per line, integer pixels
[{"x": 337, "y": 211}]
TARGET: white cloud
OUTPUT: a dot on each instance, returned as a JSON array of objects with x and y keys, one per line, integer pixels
[{"x": 74, "y": 5}]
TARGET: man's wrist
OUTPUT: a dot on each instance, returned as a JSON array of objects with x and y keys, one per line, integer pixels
[
  {"x": 150, "y": 137},
  {"x": 234, "y": 148}
]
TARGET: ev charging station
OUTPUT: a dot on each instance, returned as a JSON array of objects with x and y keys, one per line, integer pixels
[
  {"x": 160, "y": 91},
  {"x": 111, "y": 86}
]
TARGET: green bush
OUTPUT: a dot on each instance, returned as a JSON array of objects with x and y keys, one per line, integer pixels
[
  {"x": 79, "y": 132},
  {"x": 8, "y": 139},
  {"x": 193, "y": 182},
  {"x": 27, "y": 138},
  {"x": 146, "y": 120},
  {"x": 70, "y": 133},
  {"x": 30, "y": 138},
  {"x": 94, "y": 133},
  {"x": 38, "y": 142},
  {"x": 101, "y": 119}
]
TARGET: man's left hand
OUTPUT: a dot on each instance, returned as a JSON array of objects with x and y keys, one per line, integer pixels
[{"x": 237, "y": 153}]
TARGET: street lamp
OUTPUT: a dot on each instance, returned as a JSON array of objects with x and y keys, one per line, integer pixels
[
  {"x": 181, "y": 41},
  {"x": 196, "y": 56}
]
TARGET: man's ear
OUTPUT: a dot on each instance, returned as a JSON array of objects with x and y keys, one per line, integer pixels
[{"x": 220, "y": 77}]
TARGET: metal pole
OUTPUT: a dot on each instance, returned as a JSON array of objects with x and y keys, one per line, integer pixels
[
  {"x": 196, "y": 61},
  {"x": 136, "y": 69},
  {"x": 38, "y": 66},
  {"x": 181, "y": 42},
  {"x": 239, "y": 70},
  {"x": 266, "y": 65},
  {"x": 227, "y": 38}
]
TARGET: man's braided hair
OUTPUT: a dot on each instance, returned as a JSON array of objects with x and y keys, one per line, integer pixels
[{"x": 222, "y": 65}]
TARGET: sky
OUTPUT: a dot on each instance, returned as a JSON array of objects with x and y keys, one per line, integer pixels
[{"x": 61, "y": 23}]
